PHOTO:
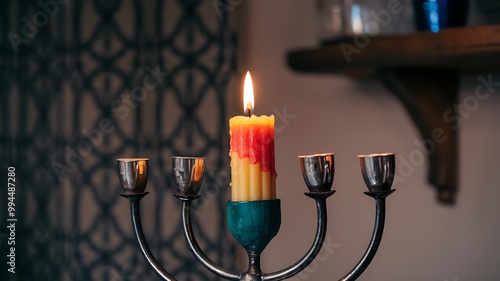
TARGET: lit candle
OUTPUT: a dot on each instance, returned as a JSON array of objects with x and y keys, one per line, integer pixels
[{"x": 253, "y": 175}]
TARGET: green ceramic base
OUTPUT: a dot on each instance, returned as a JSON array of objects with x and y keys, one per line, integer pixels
[{"x": 254, "y": 223}]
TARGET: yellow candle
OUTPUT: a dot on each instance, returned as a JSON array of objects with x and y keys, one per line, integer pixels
[{"x": 253, "y": 174}]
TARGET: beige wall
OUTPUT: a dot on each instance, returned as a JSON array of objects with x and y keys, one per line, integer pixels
[{"x": 423, "y": 239}]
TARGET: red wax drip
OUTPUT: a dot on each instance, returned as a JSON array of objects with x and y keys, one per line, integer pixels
[{"x": 255, "y": 142}]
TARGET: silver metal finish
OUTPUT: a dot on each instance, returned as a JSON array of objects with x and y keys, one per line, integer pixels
[
  {"x": 378, "y": 231},
  {"x": 141, "y": 239},
  {"x": 133, "y": 174},
  {"x": 318, "y": 171},
  {"x": 193, "y": 244},
  {"x": 188, "y": 174},
  {"x": 319, "y": 238},
  {"x": 378, "y": 170}
]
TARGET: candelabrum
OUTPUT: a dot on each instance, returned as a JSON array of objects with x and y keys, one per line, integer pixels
[{"x": 255, "y": 223}]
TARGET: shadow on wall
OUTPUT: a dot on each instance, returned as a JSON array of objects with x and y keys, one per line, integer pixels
[{"x": 86, "y": 82}]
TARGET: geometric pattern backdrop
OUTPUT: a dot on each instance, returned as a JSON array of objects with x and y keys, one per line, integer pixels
[{"x": 85, "y": 82}]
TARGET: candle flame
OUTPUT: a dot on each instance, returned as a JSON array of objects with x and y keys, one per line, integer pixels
[{"x": 248, "y": 100}]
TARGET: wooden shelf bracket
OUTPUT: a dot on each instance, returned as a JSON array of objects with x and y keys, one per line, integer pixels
[{"x": 430, "y": 97}]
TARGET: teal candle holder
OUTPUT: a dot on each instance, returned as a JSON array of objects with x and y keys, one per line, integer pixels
[{"x": 254, "y": 223}]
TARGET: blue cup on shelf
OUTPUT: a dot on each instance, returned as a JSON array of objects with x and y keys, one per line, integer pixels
[{"x": 434, "y": 15}]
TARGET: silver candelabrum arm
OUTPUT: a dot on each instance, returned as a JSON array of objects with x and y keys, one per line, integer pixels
[
  {"x": 193, "y": 244},
  {"x": 320, "y": 198},
  {"x": 378, "y": 230},
  {"x": 139, "y": 234}
]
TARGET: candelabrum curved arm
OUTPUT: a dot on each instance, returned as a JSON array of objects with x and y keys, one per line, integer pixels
[
  {"x": 139, "y": 233},
  {"x": 320, "y": 198},
  {"x": 193, "y": 244},
  {"x": 378, "y": 230}
]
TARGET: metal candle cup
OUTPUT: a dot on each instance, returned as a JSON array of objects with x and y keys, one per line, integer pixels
[
  {"x": 378, "y": 170},
  {"x": 188, "y": 174},
  {"x": 133, "y": 174},
  {"x": 318, "y": 171}
]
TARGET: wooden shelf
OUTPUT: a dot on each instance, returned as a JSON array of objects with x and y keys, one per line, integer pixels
[
  {"x": 466, "y": 49},
  {"x": 423, "y": 70}
]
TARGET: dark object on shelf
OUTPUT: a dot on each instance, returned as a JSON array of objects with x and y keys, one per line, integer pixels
[
  {"x": 434, "y": 15},
  {"x": 485, "y": 12}
]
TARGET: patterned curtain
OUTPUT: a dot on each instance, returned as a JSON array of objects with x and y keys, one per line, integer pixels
[{"x": 84, "y": 82}]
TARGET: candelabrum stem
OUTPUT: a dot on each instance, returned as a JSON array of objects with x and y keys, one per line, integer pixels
[
  {"x": 193, "y": 244},
  {"x": 139, "y": 234},
  {"x": 254, "y": 263},
  {"x": 378, "y": 230},
  {"x": 320, "y": 198}
]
